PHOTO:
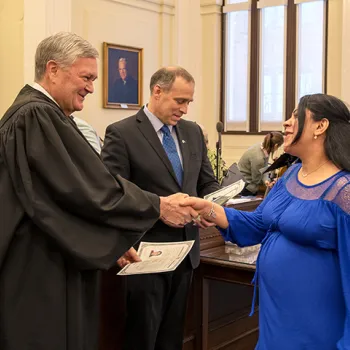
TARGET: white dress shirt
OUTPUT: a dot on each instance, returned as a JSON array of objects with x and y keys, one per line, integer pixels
[{"x": 158, "y": 124}]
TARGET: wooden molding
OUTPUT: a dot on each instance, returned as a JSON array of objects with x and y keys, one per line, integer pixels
[{"x": 158, "y": 6}]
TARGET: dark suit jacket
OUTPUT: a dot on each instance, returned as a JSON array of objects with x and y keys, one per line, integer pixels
[{"x": 133, "y": 150}]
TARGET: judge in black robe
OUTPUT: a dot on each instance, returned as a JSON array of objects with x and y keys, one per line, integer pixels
[{"x": 62, "y": 217}]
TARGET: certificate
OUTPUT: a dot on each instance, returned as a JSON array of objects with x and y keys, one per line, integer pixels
[
  {"x": 224, "y": 194},
  {"x": 158, "y": 257}
]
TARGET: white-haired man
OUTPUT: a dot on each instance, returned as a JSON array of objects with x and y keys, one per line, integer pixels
[
  {"x": 125, "y": 88},
  {"x": 64, "y": 216}
]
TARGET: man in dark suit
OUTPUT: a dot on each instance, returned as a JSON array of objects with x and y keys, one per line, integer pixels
[
  {"x": 125, "y": 89},
  {"x": 163, "y": 154}
]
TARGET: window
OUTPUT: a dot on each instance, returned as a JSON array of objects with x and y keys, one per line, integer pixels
[
  {"x": 237, "y": 94},
  {"x": 310, "y": 47},
  {"x": 274, "y": 53},
  {"x": 271, "y": 67}
]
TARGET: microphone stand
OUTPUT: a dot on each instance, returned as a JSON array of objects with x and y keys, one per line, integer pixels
[{"x": 218, "y": 156}]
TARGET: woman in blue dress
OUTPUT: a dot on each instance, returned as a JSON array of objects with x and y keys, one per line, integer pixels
[{"x": 303, "y": 269}]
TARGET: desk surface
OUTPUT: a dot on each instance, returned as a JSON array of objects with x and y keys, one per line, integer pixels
[
  {"x": 219, "y": 256},
  {"x": 250, "y": 205}
]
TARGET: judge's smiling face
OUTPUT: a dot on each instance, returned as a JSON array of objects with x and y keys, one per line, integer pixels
[{"x": 70, "y": 85}]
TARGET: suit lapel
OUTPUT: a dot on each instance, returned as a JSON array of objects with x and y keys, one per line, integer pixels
[
  {"x": 147, "y": 130},
  {"x": 183, "y": 139}
]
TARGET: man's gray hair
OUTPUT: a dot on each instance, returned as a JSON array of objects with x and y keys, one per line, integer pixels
[
  {"x": 64, "y": 48},
  {"x": 123, "y": 59},
  {"x": 166, "y": 76}
]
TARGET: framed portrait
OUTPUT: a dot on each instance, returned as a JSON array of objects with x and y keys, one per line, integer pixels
[{"x": 122, "y": 76}]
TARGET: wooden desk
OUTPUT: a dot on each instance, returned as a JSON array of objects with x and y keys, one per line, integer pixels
[
  {"x": 220, "y": 299},
  {"x": 216, "y": 265}
]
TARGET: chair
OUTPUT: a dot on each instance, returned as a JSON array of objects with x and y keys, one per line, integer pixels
[{"x": 233, "y": 175}]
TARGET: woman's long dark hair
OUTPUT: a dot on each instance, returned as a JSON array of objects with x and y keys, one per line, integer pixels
[{"x": 337, "y": 142}]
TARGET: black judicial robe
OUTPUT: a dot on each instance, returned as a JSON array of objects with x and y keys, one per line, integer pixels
[{"x": 62, "y": 218}]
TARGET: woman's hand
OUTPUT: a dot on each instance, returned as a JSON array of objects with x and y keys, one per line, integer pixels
[{"x": 210, "y": 214}]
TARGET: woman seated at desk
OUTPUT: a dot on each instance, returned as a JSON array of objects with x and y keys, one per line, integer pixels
[
  {"x": 256, "y": 158},
  {"x": 303, "y": 225}
]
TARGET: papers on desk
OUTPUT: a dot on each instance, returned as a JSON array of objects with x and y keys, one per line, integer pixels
[
  {"x": 233, "y": 201},
  {"x": 224, "y": 194},
  {"x": 158, "y": 257},
  {"x": 246, "y": 255}
]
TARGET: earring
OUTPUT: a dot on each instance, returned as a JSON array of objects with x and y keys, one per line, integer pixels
[{"x": 315, "y": 137}]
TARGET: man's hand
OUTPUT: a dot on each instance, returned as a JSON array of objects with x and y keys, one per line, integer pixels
[
  {"x": 128, "y": 258},
  {"x": 172, "y": 213}
]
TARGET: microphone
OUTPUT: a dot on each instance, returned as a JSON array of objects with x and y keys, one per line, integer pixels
[{"x": 219, "y": 129}]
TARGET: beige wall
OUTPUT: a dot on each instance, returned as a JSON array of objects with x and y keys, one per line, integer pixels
[
  {"x": 132, "y": 23},
  {"x": 11, "y": 51},
  {"x": 334, "y": 42},
  {"x": 161, "y": 28},
  {"x": 184, "y": 32},
  {"x": 211, "y": 66}
]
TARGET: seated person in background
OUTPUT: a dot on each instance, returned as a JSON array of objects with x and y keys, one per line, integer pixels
[
  {"x": 212, "y": 158},
  {"x": 303, "y": 225},
  {"x": 256, "y": 158}
]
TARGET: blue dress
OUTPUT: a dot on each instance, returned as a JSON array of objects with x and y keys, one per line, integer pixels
[{"x": 303, "y": 269}]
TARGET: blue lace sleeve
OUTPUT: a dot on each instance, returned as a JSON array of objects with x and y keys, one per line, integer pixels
[{"x": 247, "y": 228}]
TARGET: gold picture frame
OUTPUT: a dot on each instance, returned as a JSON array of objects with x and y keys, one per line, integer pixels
[{"x": 122, "y": 76}]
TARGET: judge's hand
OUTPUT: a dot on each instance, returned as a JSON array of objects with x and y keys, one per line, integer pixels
[
  {"x": 128, "y": 258},
  {"x": 172, "y": 213}
]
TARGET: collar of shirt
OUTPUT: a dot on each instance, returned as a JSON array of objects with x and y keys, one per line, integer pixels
[
  {"x": 157, "y": 125},
  {"x": 156, "y": 122},
  {"x": 38, "y": 87}
]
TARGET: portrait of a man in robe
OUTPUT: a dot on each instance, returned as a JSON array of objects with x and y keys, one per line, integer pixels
[{"x": 122, "y": 77}]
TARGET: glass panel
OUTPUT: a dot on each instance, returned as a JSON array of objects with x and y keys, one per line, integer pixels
[
  {"x": 311, "y": 44},
  {"x": 237, "y": 70},
  {"x": 272, "y": 67}
]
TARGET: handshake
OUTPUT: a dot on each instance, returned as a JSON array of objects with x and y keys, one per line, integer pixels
[{"x": 179, "y": 210}]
